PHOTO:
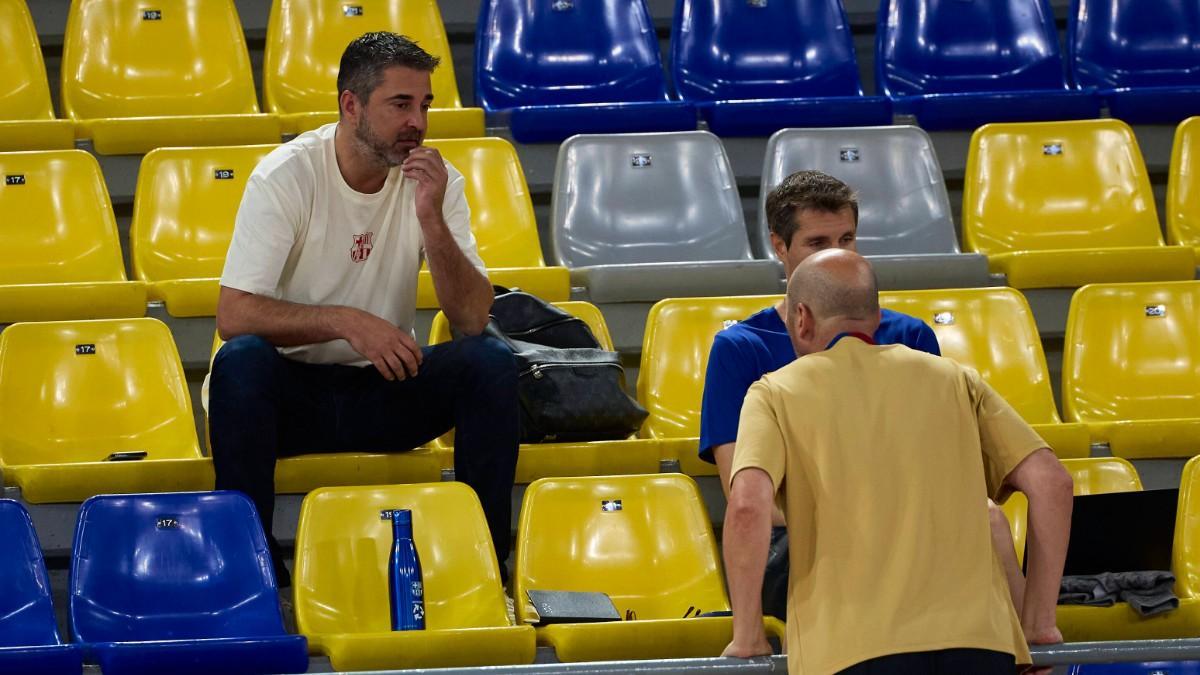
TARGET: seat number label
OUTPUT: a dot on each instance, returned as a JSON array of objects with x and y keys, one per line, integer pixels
[
  {"x": 223, "y": 174},
  {"x": 1156, "y": 311},
  {"x": 167, "y": 523},
  {"x": 943, "y": 319},
  {"x": 640, "y": 161},
  {"x": 352, "y": 10},
  {"x": 610, "y": 505},
  {"x": 1052, "y": 149},
  {"x": 85, "y": 350},
  {"x": 151, "y": 15},
  {"x": 15, "y": 179}
]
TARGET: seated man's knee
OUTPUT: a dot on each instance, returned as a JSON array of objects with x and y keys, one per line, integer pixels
[
  {"x": 245, "y": 358},
  {"x": 490, "y": 357}
]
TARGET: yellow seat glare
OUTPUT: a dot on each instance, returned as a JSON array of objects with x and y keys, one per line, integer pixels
[
  {"x": 1057, "y": 185},
  {"x": 59, "y": 224},
  {"x": 1132, "y": 352},
  {"x": 78, "y": 391},
  {"x": 306, "y": 38},
  {"x": 186, "y": 203},
  {"x": 1183, "y": 188},
  {"x": 991, "y": 330},
  {"x": 679, "y": 336},
  {"x": 646, "y": 541},
  {"x": 24, "y": 91},
  {"x": 342, "y": 549},
  {"x": 127, "y": 58}
]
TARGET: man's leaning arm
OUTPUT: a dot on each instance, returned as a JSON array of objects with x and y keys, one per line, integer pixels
[
  {"x": 1048, "y": 486},
  {"x": 747, "y": 536},
  {"x": 394, "y": 353}
]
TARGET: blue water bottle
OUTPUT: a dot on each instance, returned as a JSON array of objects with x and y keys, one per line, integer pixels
[{"x": 405, "y": 586}]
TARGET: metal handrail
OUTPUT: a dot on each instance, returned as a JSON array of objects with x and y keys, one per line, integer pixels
[{"x": 1044, "y": 655}]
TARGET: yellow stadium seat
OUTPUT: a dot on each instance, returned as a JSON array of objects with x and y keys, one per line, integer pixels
[
  {"x": 300, "y": 474},
  {"x": 1183, "y": 188},
  {"x": 1121, "y": 622},
  {"x": 648, "y": 543},
  {"x": 183, "y": 214},
  {"x": 136, "y": 76},
  {"x": 59, "y": 253},
  {"x": 305, "y": 41},
  {"x": 679, "y": 334},
  {"x": 992, "y": 330},
  {"x": 502, "y": 220},
  {"x": 73, "y": 393},
  {"x": 540, "y": 460},
  {"x": 26, "y": 115},
  {"x": 1131, "y": 367},
  {"x": 341, "y": 583},
  {"x": 1092, "y": 475},
  {"x": 1063, "y": 204}
]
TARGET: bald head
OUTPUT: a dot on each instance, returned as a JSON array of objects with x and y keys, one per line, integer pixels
[{"x": 839, "y": 291}]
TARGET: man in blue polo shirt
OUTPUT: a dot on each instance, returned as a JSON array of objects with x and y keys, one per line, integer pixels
[{"x": 809, "y": 211}]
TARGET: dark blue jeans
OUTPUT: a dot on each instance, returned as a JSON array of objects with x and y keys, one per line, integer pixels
[{"x": 263, "y": 406}]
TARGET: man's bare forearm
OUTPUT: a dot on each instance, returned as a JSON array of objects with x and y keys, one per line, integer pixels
[
  {"x": 1049, "y": 489},
  {"x": 282, "y": 323},
  {"x": 463, "y": 293},
  {"x": 747, "y": 537}
]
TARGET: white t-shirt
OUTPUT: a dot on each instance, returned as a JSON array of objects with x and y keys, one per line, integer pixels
[{"x": 303, "y": 235}]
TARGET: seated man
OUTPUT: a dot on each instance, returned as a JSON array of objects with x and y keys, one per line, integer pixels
[
  {"x": 318, "y": 300},
  {"x": 809, "y": 211},
  {"x": 883, "y": 458}
]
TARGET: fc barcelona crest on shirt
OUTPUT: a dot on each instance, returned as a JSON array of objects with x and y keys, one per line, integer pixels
[{"x": 362, "y": 247}]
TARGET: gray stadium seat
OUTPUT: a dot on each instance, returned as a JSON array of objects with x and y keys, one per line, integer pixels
[
  {"x": 640, "y": 217},
  {"x": 905, "y": 223}
]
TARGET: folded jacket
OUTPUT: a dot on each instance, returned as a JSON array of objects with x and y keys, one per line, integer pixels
[{"x": 1149, "y": 592}]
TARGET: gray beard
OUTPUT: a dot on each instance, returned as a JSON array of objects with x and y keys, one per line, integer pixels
[{"x": 374, "y": 146}]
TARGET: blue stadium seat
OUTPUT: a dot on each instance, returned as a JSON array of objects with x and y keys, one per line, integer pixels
[
  {"x": 180, "y": 583},
  {"x": 755, "y": 67},
  {"x": 1153, "y": 668},
  {"x": 1141, "y": 56},
  {"x": 563, "y": 67},
  {"x": 29, "y": 639},
  {"x": 958, "y": 64}
]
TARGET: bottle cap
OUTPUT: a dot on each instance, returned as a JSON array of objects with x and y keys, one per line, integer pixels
[{"x": 402, "y": 516}]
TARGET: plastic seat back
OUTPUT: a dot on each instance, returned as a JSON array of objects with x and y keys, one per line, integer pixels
[
  {"x": 501, "y": 210},
  {"x": 646, "y": 198},
  {"x": 732, "y": 49},
  {"x": 948, "y": 46},
  {"x": 306, "y": 38},
  {"x": 1132, "y": 352},
  {"x": 77, "y": 391},
  {"x": 1101, "y": 475},
  {"x": 1124, "y": 43},
  {"x": 1057, "y": 185},
  {"x": 903, "y": 207},
  {"x": 173, "y": 566},
  {"x": 342, "y": 549},
  {"x": 555, "y": 52},
  {"x": 646, "y": 541},
  {"x": 991, "y": 330},
  {"x": 24, "y": 91},
  {"x": 184, "y": 209},
  {"x": 26, "y": 610},
  {"x": 126, "y": 58},
  {"x": 679, "y": 335},
  {"x": 1183, "y": 190},
  {"x": 59, "y": 224}
]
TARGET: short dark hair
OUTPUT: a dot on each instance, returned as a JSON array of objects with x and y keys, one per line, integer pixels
[
  {"x": 365, "y": 59},
  {"x": 802, "y": 191}
]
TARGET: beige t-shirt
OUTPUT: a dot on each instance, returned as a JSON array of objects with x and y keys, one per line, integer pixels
[
  {"x": 303, "y": 235},
  {"x": 883, "y": 458}
]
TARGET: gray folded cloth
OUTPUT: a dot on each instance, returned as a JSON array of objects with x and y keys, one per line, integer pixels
[{"x": 1149, "y": 593}]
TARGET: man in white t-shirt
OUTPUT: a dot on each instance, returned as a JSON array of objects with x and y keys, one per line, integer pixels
[{"x": 318, "y": 300}]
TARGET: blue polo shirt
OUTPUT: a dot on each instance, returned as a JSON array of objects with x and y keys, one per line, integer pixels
[{"x": 745, "y": 351}]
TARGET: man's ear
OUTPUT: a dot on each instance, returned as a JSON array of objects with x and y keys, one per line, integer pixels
[
  {"x": 781, "y": 249},
  {"x": 349, "y": 104},
  {"x": 800, "y": 318}
]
